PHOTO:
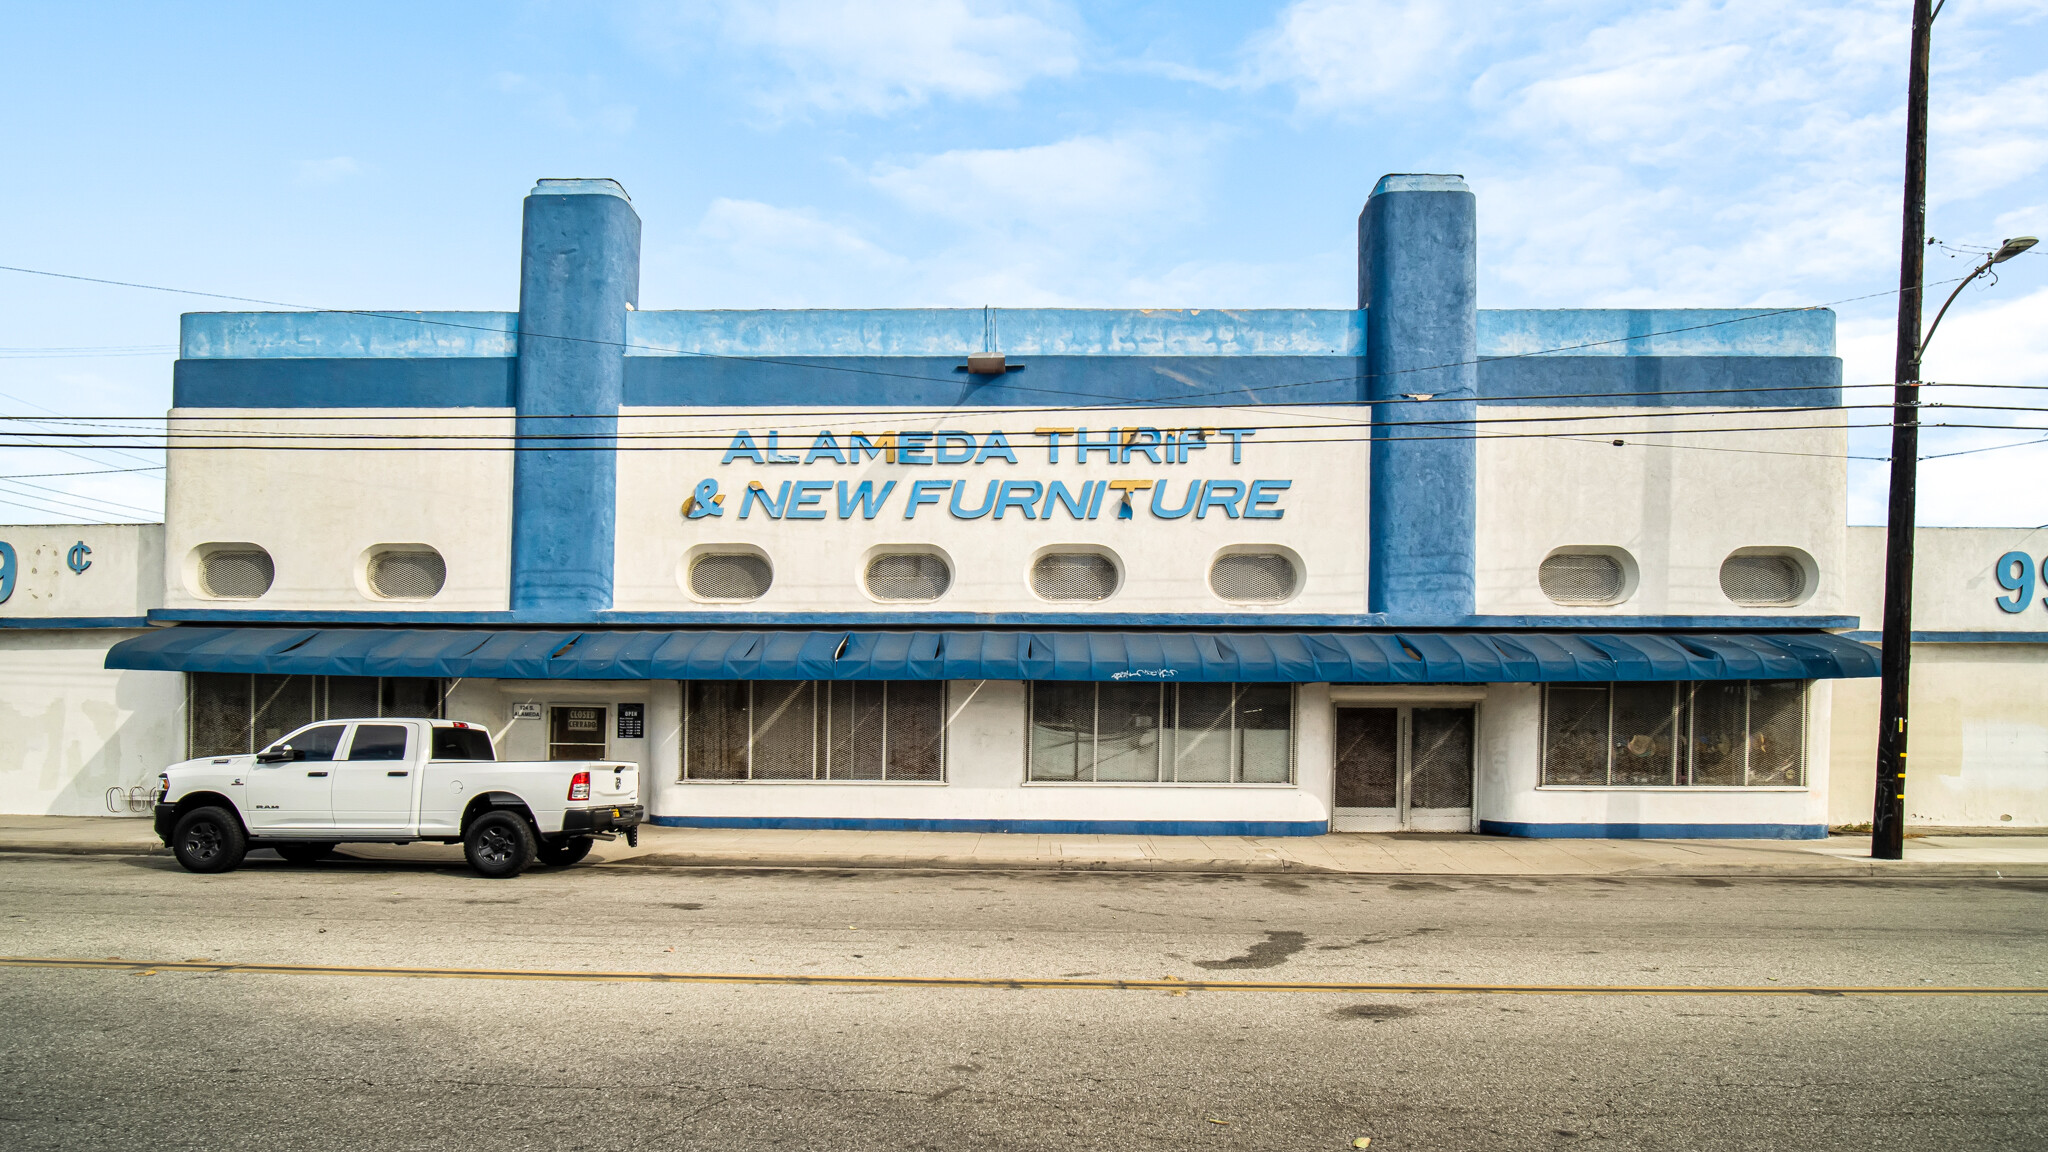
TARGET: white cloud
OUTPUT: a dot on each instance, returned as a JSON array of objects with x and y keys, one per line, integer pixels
[
  {"x": 878, "y": 56},
  {"x": 1345, "y": 53},
  {"x": 752, "y": 226},
  {"x": 328, "y": 171},
  {"x": 1126, "y": 182}
]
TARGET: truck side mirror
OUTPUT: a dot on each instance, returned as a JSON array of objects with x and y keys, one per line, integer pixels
[{"x": 278, "y": 755}]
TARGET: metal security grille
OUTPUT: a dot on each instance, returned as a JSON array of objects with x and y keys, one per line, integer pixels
[
  {"x": 1440, "y": 767},
  {"x": 1580, "y": 578},
  {"x": 407, "y": 575},
  {"x": 1368, "y": 757},
  {"x": 805, "y": 730},
  {"x": 908, "y": 576},
  {"x": 1161, "y": 733},
  {"x": 1725, "y": 734},
  {"x": 1074, "y": 576},
  {"x": 236, "y": 574},
  {"x": 730, "y": 576},
  {"x": 230, "y": 713},
  {"x": 1759, "y": 581},
  {"x": 1253, "y": 577}
]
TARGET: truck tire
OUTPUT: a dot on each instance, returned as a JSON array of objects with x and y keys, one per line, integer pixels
[
  {"x": 563, "y": 853},
  {"x": 209, "y": 839},
  {"x": 499, "y": 844},
  {"x": 304, "y": 853}
]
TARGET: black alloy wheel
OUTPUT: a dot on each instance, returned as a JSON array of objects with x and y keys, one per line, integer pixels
[
  {"x": 499, "y": 844},
  {"x": 209, "y": 840}
]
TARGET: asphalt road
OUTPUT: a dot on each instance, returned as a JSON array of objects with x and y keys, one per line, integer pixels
[{"x": 119, "y": 1059}]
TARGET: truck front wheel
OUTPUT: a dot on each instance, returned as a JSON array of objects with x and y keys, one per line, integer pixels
[
  {"x": 563, "y": 853},
  {"x": 209, "y": 840},
  {"x": 499, "y": 844}
]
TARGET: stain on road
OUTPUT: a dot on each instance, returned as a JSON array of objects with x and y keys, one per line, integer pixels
[
  {"x": 1271, "y": 952},
  {"x": 1374, "y": 1012}
]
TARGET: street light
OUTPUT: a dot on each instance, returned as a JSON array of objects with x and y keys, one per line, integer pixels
[
  {"x": 1888, "y": 813},
  {"x": 2006, "y": 251}
]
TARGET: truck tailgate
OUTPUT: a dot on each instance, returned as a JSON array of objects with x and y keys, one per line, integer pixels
[{"x": 615, "y": 783}]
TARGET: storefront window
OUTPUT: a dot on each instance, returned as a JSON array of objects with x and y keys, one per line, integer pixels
[
  {"x": 1162, "y": 733},
  {"x": 1728, "y": 734},
  {"x": 233, "y": 713},
  {"x": 805, "y": 730}
]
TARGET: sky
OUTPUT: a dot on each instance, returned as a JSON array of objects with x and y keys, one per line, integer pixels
[{"x": 828, "y": 153}]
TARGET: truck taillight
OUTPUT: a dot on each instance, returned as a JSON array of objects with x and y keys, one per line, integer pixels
[{"x": 579, "y": 786}]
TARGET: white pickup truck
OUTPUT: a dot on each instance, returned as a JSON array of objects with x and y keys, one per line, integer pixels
[{"x": 393, "y": 782}]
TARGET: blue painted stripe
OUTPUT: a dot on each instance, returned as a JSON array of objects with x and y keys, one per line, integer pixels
[
  {"x": 1657, "y": 331},
  {"x": 1662, "y": 381},
  {"x": 1211, "y": 620},
  {"x": 1040, "y": 827},
  {"x": 56, "y": 622},
  {"x": 1960, "y": 637},
  {"x": 954, "y": 332},
  {"x": 1655, "y": 831},
  {"x": 1019, "y": 331},
  {"x": 291, "y": 335},
  {"x": 1044, "y": 381},
  {"x": 682, "y": 382},
  {"x": 398, "y": 382}
]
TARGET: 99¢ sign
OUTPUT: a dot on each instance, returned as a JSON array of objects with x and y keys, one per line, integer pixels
[{"x": 2016, "y": 575}]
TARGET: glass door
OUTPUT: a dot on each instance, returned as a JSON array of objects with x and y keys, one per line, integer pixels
[
  {"x": 576, "y": 732},
  {"x": 1402, "y": 768}
]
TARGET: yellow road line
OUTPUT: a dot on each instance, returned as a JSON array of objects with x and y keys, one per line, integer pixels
[{"x": 1167, "y": 984}]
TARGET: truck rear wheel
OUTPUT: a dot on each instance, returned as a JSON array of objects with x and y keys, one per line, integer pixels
[
  {"x": 209, "y": 839},
  {"x": 499, "y": 844},
  {"x": 563, "y": 853}
]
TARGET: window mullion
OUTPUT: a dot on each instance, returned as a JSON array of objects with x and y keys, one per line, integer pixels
[{"x": 1610, "y": 734}]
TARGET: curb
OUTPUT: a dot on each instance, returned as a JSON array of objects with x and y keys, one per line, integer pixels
[{"x": 1816, "y": 869}]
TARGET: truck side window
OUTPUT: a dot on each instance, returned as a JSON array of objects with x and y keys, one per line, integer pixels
[
  {"x": 314, "y": 743},
  {"x": 462, "y": 744},
  {"x": 378, "y": 742}
]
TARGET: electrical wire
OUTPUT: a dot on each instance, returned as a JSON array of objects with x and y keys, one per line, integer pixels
[{"x": 422, "y": 319}]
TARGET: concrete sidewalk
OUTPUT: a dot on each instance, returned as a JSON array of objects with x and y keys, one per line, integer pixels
[{"x": 1412, "y": 854}]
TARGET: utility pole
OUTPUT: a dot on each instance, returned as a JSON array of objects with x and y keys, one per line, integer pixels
[{"x": 1888, "y": 814}]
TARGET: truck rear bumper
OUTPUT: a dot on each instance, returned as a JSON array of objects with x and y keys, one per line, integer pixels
[{"x": 611, "y": 818}]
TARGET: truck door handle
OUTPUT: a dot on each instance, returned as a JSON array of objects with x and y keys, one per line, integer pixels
[
  {"x": 316, "y": 773},
  {"x": 398, "y": 773}
]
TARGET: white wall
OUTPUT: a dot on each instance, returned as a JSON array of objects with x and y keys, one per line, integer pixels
[
  {"x": 818, "y": 563},
  {"x": 319, "y": 512},
  {"x": 124, "y": 577},
  {"x": 1955, "y": 579},
  {"x": 1676, "y": 501},
  {"x": 1978, "y": 753},
  {"x": 70, "y": 729}
]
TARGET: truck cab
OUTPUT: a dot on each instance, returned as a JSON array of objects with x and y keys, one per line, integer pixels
[{"x": 393, "y": 781}]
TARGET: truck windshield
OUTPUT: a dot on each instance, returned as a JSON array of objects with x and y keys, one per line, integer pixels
[{"x": 462, "y": 744}]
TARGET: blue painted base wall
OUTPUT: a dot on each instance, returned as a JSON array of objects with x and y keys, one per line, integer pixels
[
  {"x": 1042, "y": 827},
  {"x": 1655, "y": 831}
]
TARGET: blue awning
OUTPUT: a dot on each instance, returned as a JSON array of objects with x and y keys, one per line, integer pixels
[{"x": 1287, "y": 657}]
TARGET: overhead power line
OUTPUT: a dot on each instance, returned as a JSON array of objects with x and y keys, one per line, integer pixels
[{"x": 417, "y": 318}]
